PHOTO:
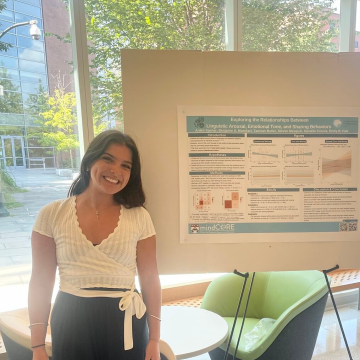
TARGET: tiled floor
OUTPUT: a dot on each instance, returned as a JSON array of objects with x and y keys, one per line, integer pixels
[{"x": 330, "y": 345}]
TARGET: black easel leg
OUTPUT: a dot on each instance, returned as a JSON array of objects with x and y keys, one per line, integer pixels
[
  {"x": 335, "y": 308},
  {"x": 246, "y": 276},
  {"x": 243, "y": 322}
]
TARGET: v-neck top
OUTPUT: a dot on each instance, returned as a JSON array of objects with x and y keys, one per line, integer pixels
[{"x": 111, "y": 264}]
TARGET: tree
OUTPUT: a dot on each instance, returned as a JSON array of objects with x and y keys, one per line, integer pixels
[
  {"x": 3, "y": 46},
  {"x": 11, "y": 102},
  {"x": 56, "y": 116},
  {"x": 147, "y": 24},
  {"x": 268, "y": 25},
  {"x": 287, "y": 25}
]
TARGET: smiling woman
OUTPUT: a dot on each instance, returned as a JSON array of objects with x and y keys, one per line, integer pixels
[
  {"x": 98, "y": 237},
  {"x": 99, "y": 149}
]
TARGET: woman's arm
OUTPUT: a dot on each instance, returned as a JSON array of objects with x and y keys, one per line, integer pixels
[
  {"x": 40, "y": 289},
  {"x": 151, "y": 292}
]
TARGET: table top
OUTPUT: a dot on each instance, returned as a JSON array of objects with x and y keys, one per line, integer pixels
[{"x": 192, "y": 331}]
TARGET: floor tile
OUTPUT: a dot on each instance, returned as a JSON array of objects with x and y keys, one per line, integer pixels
[
  {"x": 15, "y": 252},
  {"x": 13, "y": 234},
  {"x": 6, "y": 230},
  {"x": 14, "y": 239},
  {"x": 17, "y": 244},
  {"x": 6, "y": 261},
  {"x": 320, "y": 346},
  {"x": 22, "y": 259},
  {"x": 25, "y": 278},
  {"x": 10, "y": 280},
  {"x": 352, "y": 332},
  {"x": 339, "y": 354},
  {"x": 15, "y": 270},
  {"x": 345, "y": 313}
]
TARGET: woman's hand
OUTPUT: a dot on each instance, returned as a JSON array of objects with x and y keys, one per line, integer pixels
[
  {"x": 152, "y": 350},
  {"x": 40, "y": 354}
]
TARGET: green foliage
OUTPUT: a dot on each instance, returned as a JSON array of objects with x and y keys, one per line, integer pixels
[
  {"x": 11, "y": 102},
  {"x": 8, "y": 187},
  {"x": 60, "y": 121},
  {"x": 287, "y": 25},
  {"x": 147, "y": 24},
  {"x": 3, "y": 46},
  {"x": 268, "y": 25}
]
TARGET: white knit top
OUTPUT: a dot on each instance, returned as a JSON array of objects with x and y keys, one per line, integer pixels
[{"x": 111, "y": 264}]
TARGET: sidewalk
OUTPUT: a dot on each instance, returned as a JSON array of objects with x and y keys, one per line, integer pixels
[{"x": 43, "y": 187}]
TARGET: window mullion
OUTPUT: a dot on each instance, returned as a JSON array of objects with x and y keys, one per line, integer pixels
[
  {"x": 81, "y": 73},
  {"x": 233, "y": 25},
  {"x": 347, "y": 25}
]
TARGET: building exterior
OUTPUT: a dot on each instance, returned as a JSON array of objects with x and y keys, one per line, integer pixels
[
  {"x": 335, "y": 21},
  {"x": 26, "y": 66}
]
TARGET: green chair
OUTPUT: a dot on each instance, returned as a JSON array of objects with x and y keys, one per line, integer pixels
[{"x": 294, "y": 299}]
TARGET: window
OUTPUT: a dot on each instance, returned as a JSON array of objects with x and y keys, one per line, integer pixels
[
  {"x": 30, "y": 43},
  {"x": 31, "y": 55},
  {"x": 7, "y": 15},
  {"x": 33, "y": 77},
  {"x": 143, "y": 25},
  {"x": 9, "y": 4},
  {"x": 32, "y": 88},
  {"x": 10, "y": 52},
  {"x": 9, "y": 39},
  {"x": 30, "y": 81},
  {"x": 32, "y": 66},
  {"x": 23, "y": 18},
  {"x": 32, "y": 2},
  {"x": 25, "y": 31},
  {"x": 4, "y": 25},
  {"x": 295, "y": 25},
  {"x": 9, "y": 74},
  {"x": 10, "y": 85},
  {"x": 9, "y": 62},
  {"x": 27, "y": 9}
]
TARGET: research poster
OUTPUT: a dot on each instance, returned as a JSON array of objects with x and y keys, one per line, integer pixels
[{"x": 268, "y": 174}]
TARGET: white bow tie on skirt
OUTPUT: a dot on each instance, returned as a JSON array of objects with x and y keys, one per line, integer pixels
[{"x": 131, "y": 302}]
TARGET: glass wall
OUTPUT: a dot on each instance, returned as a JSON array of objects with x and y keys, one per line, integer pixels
[
  {"x": 114, "y": 25},
  {"x": 290, "y": 25},
  {"x": 23, "y": 70},
  {"x": 39, "y": 141}
]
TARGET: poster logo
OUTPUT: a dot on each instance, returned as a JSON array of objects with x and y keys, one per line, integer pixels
[
  {"x": 195, "y": 228},
  {"x": 337, "y": 123},
  {"x": 199, "y": 122}
]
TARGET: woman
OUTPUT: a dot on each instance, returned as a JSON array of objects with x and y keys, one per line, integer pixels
[{"x": 97, "y": 237}]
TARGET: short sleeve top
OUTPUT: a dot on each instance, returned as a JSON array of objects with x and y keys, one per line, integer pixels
[{"x": 111, "y": 264}]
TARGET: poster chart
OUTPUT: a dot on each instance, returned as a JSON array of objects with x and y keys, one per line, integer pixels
[{"x": 256, "y": 175}]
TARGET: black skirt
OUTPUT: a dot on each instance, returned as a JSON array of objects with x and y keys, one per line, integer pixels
[{"x": 93, "y": 329}]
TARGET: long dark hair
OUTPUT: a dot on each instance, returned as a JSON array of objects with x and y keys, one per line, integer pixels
[{"x": 133, "y": 194}]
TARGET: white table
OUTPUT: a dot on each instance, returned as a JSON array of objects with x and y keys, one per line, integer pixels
[{"x": 191, "y": 331}]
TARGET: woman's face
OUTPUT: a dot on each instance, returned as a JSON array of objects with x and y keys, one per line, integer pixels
[{"x": 111, "y": 172}]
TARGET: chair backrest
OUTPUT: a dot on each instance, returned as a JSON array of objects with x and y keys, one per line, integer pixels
[
  {"x": 286, "y": 288},
  {"x": 222, "y": 295},
  {"x": 272, "y": 293},
  {"x": 166, "y": 350}
]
